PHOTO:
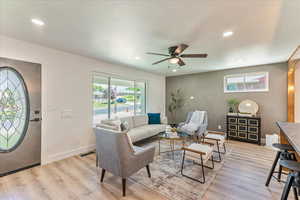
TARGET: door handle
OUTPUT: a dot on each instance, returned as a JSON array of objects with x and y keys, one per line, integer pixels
[{"x": 35, "y": 120}]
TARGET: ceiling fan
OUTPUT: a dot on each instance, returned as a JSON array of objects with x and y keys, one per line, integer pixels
[{"x": 175, "y": 55}]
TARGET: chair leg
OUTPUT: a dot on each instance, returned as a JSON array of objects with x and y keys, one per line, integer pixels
[
  {"x": 97, "y": 159},
  {"x": 148, "y": 171},
  {"x": 279, "y": 173},
  {"x": 102, "y": 175},
  {"x": 287, "y": 187},
  {"x": 182, "y": 164},
  {"x": 202, "y": 166},
  {"x": 212, "y": 161},
  {"x": 219, "y": 151},
  {"x": 224, "y": 146},
  {"x": 295, "y": 193},
  {"x": 124, "y": 186},
  {"x": 272, "y": 169}
]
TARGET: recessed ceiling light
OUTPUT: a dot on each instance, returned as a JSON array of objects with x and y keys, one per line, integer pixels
[
  {"x": 227, "y": 33},
  {"x": 137, "y": 58},
  {"x": 37, "y": 22},
  {"x": 174, "y": 70}
]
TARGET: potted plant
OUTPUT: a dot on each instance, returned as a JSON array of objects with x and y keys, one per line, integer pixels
[
  {"x": 232, "y": 103},
  {"x": 176, "y": 102}
]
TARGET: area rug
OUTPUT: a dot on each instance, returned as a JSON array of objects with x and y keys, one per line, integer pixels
[{"x": 167, "y": 180}]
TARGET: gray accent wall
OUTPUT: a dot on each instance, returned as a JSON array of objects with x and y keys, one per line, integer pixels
[{"x": 208, "y": 91}]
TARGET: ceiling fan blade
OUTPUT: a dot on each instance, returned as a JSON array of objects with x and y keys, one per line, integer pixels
[
  {"x": 180, "y": 62},
  {"x": 172, "y": 50},
  {"x": 161, "y": 61},
  {"x": 158, "y": 54},
  {"x": 204, "y": 55},
  {"x": 181, "y": 48}
]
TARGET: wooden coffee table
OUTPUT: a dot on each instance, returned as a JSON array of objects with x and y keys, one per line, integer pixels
[{"x": 179, "y": 137}]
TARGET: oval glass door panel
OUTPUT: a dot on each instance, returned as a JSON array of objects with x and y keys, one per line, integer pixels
[{"x": 14, "y": 109}]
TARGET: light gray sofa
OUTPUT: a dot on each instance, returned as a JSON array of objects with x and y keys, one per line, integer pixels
[
  {"x": 118, "y": 156},
  {"x": 139, "y": 128}
]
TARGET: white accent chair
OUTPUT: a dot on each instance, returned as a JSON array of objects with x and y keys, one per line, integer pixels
[
  {"x": 200, "y": 153},
  {"x": 219, "y": 138}
]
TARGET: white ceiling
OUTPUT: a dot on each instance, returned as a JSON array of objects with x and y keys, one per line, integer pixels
[{"x": 265, "y": 31}]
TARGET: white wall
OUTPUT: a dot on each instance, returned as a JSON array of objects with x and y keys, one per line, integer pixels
[{"x": 66, "y": 85}]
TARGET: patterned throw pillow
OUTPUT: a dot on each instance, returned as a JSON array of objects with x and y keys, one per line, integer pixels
[
  {"x": 130, "y": 142},
  {"x": 116, "y": 124},
  {"x": 110, "y": 127},
  {"x": 124, "y": 126}
]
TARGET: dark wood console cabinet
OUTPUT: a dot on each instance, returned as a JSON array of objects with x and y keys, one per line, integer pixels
[{"x": 246, "y": 129}]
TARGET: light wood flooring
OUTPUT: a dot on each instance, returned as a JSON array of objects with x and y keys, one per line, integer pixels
[{"x": 241, "y": 178}]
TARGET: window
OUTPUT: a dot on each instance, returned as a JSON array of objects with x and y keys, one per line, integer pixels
[
  {"x": 250, "y": 82},
  {"x": 140, "y": 100},
  {"x": 116, "y": 97},
  {"x": 100, "y": 98},
  {"x": 14, "y": 109},
  {"x": 121, "y": 98}
]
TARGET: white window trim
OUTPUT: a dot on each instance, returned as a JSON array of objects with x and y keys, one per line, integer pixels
[
  {"x": 244, "y": 75},
  {"x": 110, "y": 76}
]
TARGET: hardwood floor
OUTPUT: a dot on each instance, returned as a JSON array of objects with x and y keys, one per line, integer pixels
[{"x": 241, "y": 178}]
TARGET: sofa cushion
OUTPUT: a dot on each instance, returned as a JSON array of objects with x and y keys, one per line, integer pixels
[
  {"x": 220, "y": 138},
  {"x": 153, "y": 118},
  {"x": 106, "y": 126},
  {"x": 145, "y": 131},
  {"x": 157, "y": 127},
  {"x": 207, "y": 151},
  {"x": 129, "y": 121},
  {"x": 140, "y": 120}
]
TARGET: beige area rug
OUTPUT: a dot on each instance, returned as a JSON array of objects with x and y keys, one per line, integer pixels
[{"x": 167, "y": 180}]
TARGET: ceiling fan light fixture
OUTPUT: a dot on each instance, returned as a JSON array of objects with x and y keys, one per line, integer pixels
[
  {"x": 174, "y": 60},
  {"x": 37, "y": 22}
]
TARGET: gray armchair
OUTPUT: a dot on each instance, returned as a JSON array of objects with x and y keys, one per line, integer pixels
[
  {"x": 202, "y": 129},
  {"x": 118, "y": 156}
]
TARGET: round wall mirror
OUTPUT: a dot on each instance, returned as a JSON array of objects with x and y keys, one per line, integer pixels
[{"x": 248, "y": 107}]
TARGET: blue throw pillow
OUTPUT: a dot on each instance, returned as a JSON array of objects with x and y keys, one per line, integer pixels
[{"x": 153, "y": 118}]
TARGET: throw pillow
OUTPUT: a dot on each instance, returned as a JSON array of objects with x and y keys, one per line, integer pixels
[
  {"x": 130, "y": 142},
  {"x": 154, "y": 118},
  {"x": 106, "y": 126},
  {"x": 124, "y": 126},
  {"x": 116, "y": 123}
]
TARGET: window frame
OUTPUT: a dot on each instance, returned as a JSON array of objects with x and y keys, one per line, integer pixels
[
  {"x": 114, "y": 76},
  {"x": 244, "y": 75}
]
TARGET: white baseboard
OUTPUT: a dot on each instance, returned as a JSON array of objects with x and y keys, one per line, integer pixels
[{"x": 64, "y": 155}]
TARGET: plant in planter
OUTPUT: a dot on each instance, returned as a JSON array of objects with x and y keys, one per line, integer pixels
[
  {"x": 232, "y": 103},
  {"x": 177, "y": 102}
]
